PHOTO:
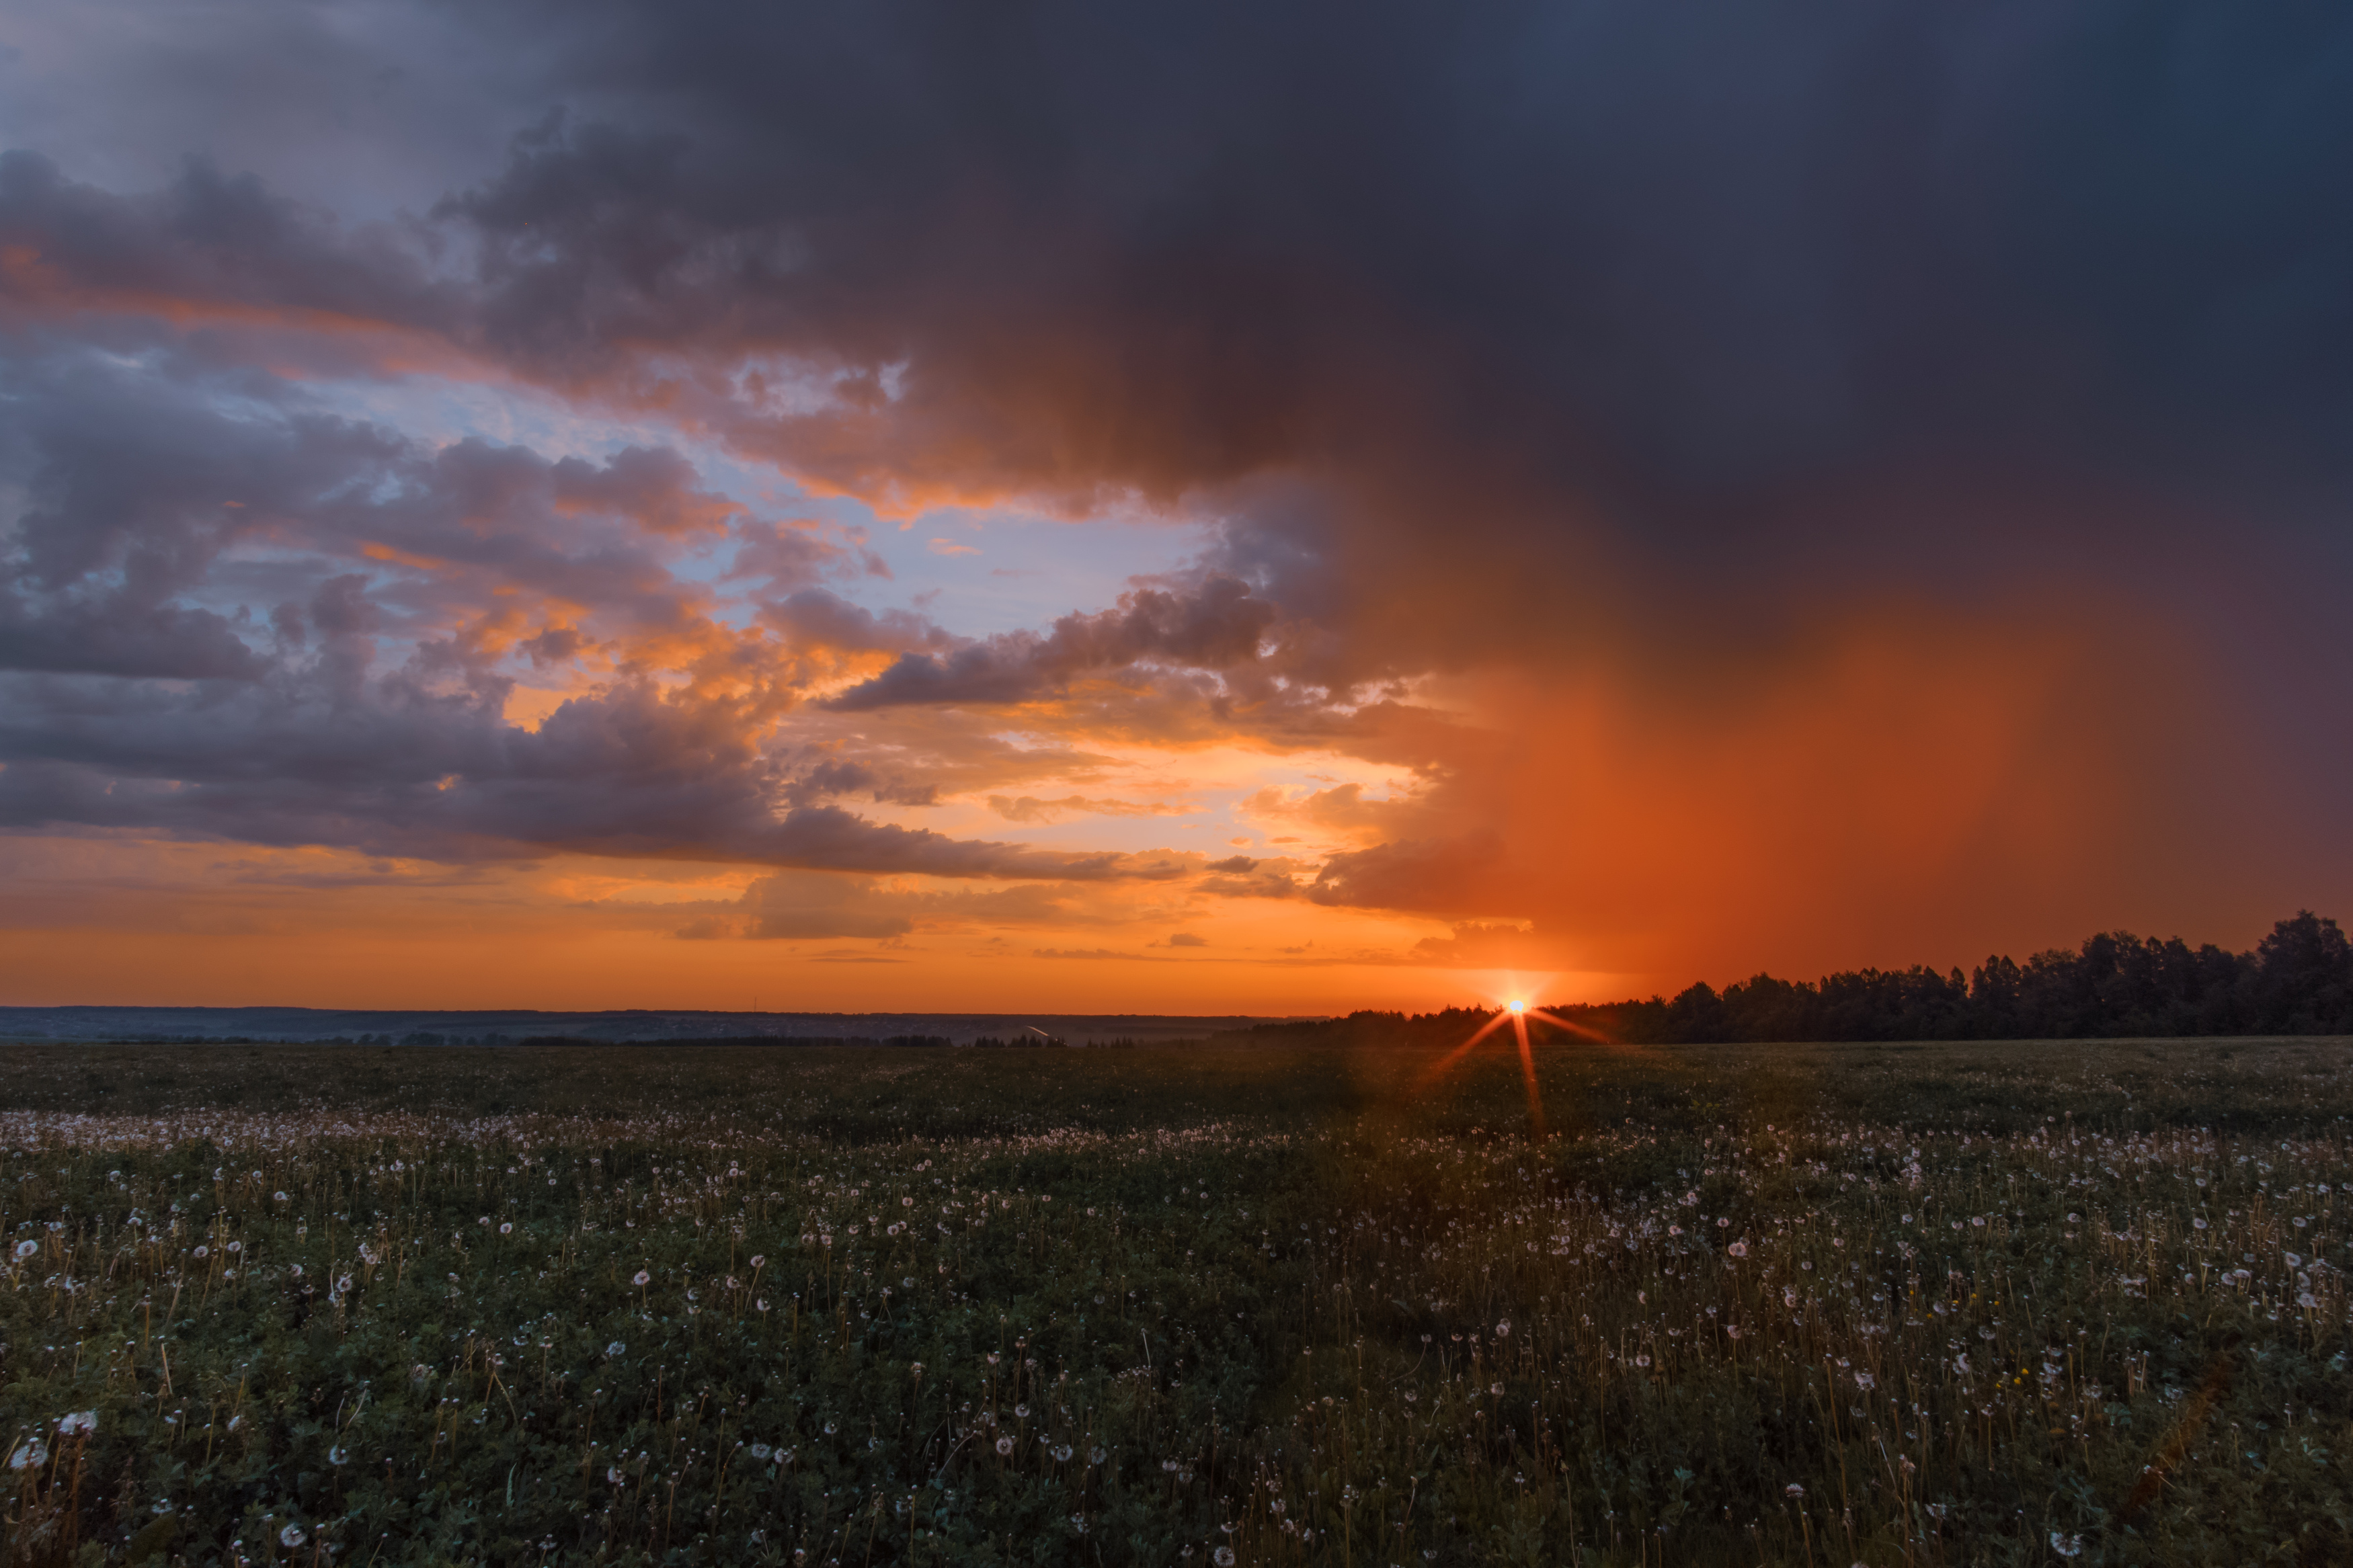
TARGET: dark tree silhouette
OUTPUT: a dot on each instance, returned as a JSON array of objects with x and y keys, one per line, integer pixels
[{"x": 2298, "y": 981}]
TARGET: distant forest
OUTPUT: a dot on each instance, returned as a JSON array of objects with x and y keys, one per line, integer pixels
[{"x": 2296, "y": 981}]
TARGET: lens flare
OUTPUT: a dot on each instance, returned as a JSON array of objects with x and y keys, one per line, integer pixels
[{"x": 1517, "y": 1013}]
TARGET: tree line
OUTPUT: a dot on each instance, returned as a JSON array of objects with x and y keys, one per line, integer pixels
[{"x": 2296, "y": 981}]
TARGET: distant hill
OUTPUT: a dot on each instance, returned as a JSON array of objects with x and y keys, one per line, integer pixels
[{"x": 393, "y": 1027}]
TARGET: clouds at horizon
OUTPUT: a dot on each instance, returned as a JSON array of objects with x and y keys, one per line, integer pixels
[{"x": 1664, "y": 495}]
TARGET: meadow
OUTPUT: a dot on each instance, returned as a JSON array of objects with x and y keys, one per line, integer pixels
[{"x": 1193, "y": 1306}]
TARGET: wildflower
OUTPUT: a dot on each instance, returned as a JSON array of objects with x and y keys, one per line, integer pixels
[
  {"x": 642, "y": 1278},
  {"x": 291, "y": 1535},
  {"x": 758, "y": 1258},
  {"x": 2066, "y": 1545},
  {"x": 1739, "y": 1249},
  {"x": 613, "y": 1475},
  {"x": 1079, "y": 1523},
  {"x": 1503, "y": 1328},
  {"x": 338, "y": 1454},
  {"x": 1794, "y": 1489},
  {"x": 1061, "y": 1453},
  {"x": 616, "y": 1348},
  {"x": 506, "y": 1228},
  {"x": 761, "y": 1451},
  {"x": 81, "y": 1423},
  {"x": 1095, "y": 1456},
  {"x": 1865, "y": 1380},
  {"x": 26, "y": 1248},
  {"x": 280, "y": 1196},
  {"x": 1223, "y": 1557},
  {"x": 1005, "y": 1447}
]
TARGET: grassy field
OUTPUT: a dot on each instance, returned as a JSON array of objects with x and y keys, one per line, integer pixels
[{"x": 1199, "y": 1307}]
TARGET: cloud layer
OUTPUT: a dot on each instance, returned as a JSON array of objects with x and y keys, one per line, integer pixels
[{"x": 1832, "y": 487}]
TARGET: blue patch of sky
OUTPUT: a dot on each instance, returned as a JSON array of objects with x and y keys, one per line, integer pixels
[{"x": 1000, "y": 569}]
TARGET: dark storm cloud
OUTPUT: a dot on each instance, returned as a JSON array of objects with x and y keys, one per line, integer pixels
[
  {"x": 1637, "y": 251},
  {"x": 1600, "y": 285}
]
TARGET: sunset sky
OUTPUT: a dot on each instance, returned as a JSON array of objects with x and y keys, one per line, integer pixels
[{"x": 1229, "y": 506}]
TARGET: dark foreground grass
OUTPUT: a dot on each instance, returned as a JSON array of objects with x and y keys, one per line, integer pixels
[{"x": 1880, "y": 1304}]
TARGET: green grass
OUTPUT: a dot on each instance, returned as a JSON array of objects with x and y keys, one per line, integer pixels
[{"x": 1879, "y": 1304}]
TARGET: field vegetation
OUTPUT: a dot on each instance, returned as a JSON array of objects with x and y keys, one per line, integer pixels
[{"x": 2018, "y": 1303}]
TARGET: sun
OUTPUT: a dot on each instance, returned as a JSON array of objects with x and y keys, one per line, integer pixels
[{"x": 1516, "y": 1004}]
